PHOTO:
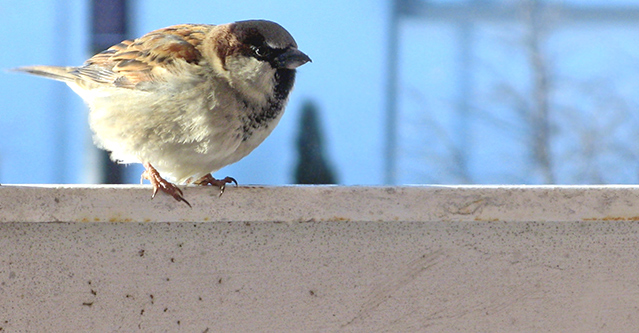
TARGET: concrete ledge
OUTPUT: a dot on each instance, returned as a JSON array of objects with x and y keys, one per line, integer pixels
[
  {"x": 132, "y": 203},
  {"x": 354, "y": 259}
]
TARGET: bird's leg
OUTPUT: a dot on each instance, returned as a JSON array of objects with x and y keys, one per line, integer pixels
[
  {"x": 160, "y": 183},
  {"x": 221, "y": 183}
]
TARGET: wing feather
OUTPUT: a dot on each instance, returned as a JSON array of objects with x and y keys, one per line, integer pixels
[{"x": 144, "y": 60}]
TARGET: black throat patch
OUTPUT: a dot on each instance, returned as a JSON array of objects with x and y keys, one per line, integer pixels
[{"x": 284, "y": 80}]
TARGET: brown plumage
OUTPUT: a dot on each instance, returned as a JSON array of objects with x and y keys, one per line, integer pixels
[{"x": 188, "y": 99}]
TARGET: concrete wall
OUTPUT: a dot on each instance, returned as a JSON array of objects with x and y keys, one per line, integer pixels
[{"x": 320, "y": 259}]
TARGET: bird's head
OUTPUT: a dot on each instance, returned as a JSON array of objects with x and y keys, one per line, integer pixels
[{"x": 257, "y": 57}]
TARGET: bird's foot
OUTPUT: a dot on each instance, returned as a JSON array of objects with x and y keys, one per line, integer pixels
[
  {"x": 160, "y": 183},
  {"x": 221, "y": 183}
]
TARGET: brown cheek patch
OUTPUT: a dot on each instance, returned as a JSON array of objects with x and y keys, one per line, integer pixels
[{"x": 225, "y": 43}]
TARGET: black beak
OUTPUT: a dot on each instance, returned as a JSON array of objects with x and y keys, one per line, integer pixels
[{"x": 291, "y": 59}]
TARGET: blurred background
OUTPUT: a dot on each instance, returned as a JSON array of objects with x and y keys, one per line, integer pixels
[{"x": 399, "y": 92}]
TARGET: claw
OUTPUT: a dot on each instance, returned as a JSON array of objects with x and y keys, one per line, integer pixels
[
  {"x": 221, "y": 183},
  {"x": 160, "y": 183}
]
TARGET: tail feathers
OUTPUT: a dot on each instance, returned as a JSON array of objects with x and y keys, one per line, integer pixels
[{"x": 52, "y": 72}]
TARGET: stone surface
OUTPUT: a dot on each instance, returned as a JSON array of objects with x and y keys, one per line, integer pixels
[
  {"x": 320, "y": 259},
  {"x": 132, "y": 203}
]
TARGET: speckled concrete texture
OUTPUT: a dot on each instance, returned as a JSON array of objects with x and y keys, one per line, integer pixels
[
  {"x": 366, "y": 259},
  {"x": 132, "y": 203}
]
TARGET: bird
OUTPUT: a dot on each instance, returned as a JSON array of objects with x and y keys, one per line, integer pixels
[{"x": 188, "y": 99}]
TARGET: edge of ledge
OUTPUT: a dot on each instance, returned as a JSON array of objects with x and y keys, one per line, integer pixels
[{"x": 419, "y": 203}]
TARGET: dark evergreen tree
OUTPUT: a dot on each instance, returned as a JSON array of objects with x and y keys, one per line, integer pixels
[{"x": 312, "y": 166}]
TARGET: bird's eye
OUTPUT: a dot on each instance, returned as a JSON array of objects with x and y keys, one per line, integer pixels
[{"x": 261, "y": 51}]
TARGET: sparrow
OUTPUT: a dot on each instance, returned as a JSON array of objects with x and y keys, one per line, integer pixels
[{"x": 188, "y": 99}]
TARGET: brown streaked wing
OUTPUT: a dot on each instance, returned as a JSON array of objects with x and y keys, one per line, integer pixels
[{"x": 133, "y": 61}]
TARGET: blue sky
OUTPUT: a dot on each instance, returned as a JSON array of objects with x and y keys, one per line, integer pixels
[
  {"x": 47, "y": 139},
  {"x": 343, "y": 39}
]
